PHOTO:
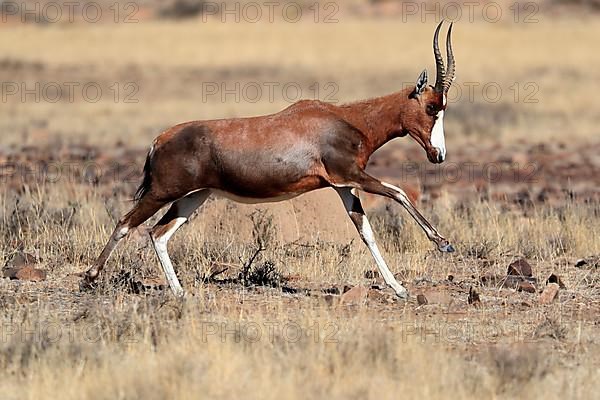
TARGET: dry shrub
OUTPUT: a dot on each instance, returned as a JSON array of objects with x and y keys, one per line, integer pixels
[
  {"x": 390, "y": 224},
  {"x": 551, "y": 328},
  {"x": 512, "y": 368}
]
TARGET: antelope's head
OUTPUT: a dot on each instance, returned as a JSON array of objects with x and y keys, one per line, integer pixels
[{"x": 424, "y": 121}]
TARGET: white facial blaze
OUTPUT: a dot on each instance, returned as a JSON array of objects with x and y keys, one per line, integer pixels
[{"x": 437, "y": 134}]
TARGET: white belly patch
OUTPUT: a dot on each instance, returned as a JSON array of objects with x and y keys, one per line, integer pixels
[{"x": 250, "y": 200}]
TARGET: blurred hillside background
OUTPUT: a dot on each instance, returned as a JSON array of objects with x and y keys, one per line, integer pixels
[{"x": 111, "y": 71}]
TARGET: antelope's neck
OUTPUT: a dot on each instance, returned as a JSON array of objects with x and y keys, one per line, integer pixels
[{"x": 379, "y": 118}]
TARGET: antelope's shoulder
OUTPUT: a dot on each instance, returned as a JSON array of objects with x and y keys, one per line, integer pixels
[{"x": 309, "y": 107}]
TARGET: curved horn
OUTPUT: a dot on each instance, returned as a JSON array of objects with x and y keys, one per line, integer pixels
[
  {"x": 439, "y": 62},
  {"x": 450, "y": 75}
]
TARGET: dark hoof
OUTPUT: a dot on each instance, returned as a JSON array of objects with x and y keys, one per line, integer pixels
[
  {"x": 447, "y": 248},
  {"x": 87, "y": 285}
]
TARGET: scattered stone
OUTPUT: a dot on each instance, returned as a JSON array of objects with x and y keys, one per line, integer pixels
[
  {"x": 423, "y": 281},
  {"x": 124, "y": 280},
  {"x": 520, "y": 267},
  {"x": 473, "y": 298},
  {"x": 590, "y": 262},
  {"x": 421, "y": 299},
  {"x": 355, "y": 295},
  {"x": 556, "y": 279},
  {"x": 332, "y": 290},
  {"x": 516, "y": 282},
  {"x": 26, "y": 273},
  {"x": 549, "y": 294},
  {"x": 21, "y": 259},
  {"x": 371, "y": 274},
  {"x": 525, "y": 286}
]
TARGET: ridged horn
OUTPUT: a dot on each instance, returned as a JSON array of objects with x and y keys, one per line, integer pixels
[
  {"x": 451, "y": 65},
  {"x": 439, "y": 61}
]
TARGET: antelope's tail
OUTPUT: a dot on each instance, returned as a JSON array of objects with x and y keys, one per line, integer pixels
[{"x": 146, "y": 184}]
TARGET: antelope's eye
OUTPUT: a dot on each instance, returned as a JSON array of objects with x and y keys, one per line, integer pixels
[{"x": 431, "y": 110}]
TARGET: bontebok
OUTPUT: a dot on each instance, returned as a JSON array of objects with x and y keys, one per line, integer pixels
[{"x": 309, "y": 145}]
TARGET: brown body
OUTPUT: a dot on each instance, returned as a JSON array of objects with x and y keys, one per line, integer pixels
[{"x": 309, "y": 145}]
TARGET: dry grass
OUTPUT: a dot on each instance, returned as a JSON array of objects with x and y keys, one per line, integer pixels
[{"x": 112, "y": 344}]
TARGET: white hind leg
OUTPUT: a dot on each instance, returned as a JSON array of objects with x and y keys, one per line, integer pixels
[{"x": 178, "y": 214}]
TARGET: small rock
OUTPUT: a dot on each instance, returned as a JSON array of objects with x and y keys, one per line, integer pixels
[
  {"x": 556, "y": 279},
  {"x": 332, "y": 290},
  {"x": 525, "y": 286},
  {"x": 590, "y": 262},
  {"x": 421, "y": 299},
  {"x": 549, "y": 294},
  {"x": 22, "y": 259},
  {"x": 289, "y": 290},
  {"x": 515, "y": 282},
  {"x": 473, "y": 297},
  {"x": 372, "y": 274},
  {"x": 450, "y": 278},
  {"x": 26, "y": 273},
  {"x": 356, "y": 295},
  {"x": 520, "y": 268}
]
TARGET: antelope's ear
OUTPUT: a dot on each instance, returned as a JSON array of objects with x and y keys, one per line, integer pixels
[{"x": 421, "y": 84}]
